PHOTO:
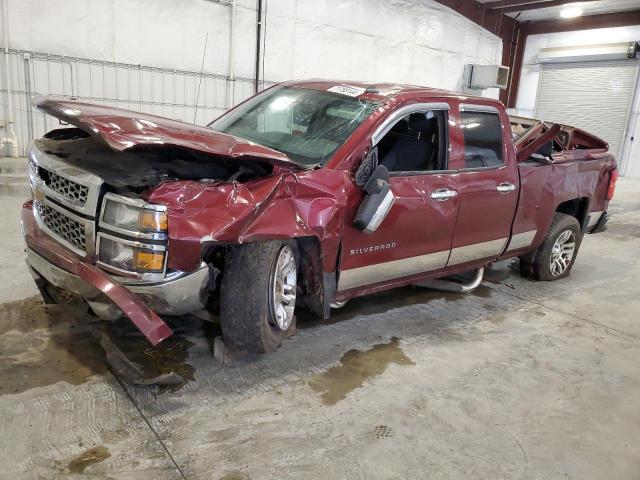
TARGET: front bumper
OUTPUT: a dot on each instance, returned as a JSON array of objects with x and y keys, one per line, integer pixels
[{"x": 110, "y": 298}]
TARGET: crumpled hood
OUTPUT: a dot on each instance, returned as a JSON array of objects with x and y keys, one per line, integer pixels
[{"x": 123, "y": 129}]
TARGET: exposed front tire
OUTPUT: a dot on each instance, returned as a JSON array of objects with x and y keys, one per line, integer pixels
[
  {"x": 555, "y": 257},
  {"x": 258, "y": 295}
]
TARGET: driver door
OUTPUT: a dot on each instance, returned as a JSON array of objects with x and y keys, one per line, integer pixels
[{"x": 416, "y": 235}]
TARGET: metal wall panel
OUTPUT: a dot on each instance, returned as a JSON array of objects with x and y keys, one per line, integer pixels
[
  {"x": 594, "y": 96},
  {"x": 159, "y": 91}
]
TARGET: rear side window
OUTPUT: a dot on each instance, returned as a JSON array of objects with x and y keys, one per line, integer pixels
[{"x": 482, "y": 139}]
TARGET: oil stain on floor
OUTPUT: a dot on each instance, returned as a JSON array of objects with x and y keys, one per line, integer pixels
[
  {"x": 88, "y": 457},
  {"x": 355, "y": 368},
  {"x": 41, "y": 345}
]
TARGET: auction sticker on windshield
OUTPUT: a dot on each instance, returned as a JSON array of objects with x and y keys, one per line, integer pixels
[{"x": 347, "y": 90}]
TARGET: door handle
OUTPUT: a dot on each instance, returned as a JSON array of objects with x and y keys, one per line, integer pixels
[
  {"x": 506, "y": 187},
  {"x": 443, "y": 194}
]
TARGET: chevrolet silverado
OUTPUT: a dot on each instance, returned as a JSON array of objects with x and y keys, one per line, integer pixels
[{"x": 306, "y": 195}]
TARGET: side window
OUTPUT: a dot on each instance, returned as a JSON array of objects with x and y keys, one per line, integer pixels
[
  {"x": 416, "y": 143},
  {"x": 482, "y": 139}
]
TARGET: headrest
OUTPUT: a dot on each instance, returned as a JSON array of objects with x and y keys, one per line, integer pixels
[{"x": 418, "y": 122}]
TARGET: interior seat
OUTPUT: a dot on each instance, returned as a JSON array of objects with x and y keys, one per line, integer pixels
[{"x": 415, "y": 152}]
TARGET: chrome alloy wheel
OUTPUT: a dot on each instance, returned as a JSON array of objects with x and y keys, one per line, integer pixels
[
  {"x": 562, "y": 253},
  {"x": 283, "y": 288}
]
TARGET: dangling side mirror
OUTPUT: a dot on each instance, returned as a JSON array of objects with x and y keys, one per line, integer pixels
[
  {"x": 367, "y": 167},
  {"x": 377, "y": 202}
]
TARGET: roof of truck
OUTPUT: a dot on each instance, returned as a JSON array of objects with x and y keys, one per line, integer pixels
[{"x": 378, "y": 91}]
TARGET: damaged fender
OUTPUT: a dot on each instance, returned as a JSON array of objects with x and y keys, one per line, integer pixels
[{"x": 283, "y": 206}]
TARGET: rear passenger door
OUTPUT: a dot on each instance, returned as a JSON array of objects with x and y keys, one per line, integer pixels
[
  {"x": 415, "y": 237},
  {"x": 488, "y": 185}
]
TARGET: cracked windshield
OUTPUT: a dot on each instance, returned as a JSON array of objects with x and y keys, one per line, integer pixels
[{"x": 306, "y": 125}]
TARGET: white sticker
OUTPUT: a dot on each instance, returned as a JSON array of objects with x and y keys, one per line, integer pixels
[{"x": 347, "y": 90}]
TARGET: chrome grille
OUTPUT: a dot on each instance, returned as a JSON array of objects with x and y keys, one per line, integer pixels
[
  {"x": 69, "y": 189},
  {"x": 62, "y": 226}
]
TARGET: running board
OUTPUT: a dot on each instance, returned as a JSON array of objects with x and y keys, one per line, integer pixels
[{"x": 451, "y": 286}]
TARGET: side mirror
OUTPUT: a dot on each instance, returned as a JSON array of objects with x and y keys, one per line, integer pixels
[{"x": 377, "y": 202}]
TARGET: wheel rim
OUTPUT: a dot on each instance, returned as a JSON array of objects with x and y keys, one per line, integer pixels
[
  {"x": 283, "y": 291},
  {"x": 562, "y": 253}
]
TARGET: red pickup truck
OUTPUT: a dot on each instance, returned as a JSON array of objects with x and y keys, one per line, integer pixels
[{"x": 306, "y": 195}]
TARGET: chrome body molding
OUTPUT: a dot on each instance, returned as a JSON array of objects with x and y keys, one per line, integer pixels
[
  {"x": 476, "y": 251},
  {"x": 471, "y": 107},
  {"x": 69, "y": 172},
  {"x": 178, "y": 294},
  {"x": 521, "y": 240},
  {"x": 380, "y": 272},
  {"x": 594, "y": 217},
  {"x": 393, "y": 118}
]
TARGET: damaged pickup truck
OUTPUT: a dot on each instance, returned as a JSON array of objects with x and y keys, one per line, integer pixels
[{"x": 305, "y": 195}]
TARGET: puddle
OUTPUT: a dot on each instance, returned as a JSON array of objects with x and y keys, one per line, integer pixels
[
  {"x": 235, "y": 476},
  {"x": 88, "y": 457},
  {"x": 43, "y": 344},
  {"x": 25, "y": 315},
  {"x": 355, "y": 368}
]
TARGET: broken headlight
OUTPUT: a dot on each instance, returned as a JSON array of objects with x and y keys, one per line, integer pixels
[{"x": 132, "y": 236}]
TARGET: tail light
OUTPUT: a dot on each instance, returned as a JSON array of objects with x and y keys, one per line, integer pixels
[{"x": 613, "y": 178}]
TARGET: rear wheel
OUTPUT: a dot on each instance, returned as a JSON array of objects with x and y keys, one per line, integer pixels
[
  {"x": 258, "y": 296},
  {"x": 555, "y": 257}
]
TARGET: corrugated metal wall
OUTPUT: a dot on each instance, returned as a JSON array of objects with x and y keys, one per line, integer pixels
[
  {"x": 159, "y": 91},
  {"x": 594, "y": 96},
  {"x": 90, "y": 49}
]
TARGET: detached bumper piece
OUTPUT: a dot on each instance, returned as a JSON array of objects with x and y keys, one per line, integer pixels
[{"x": 110, "y": 298}]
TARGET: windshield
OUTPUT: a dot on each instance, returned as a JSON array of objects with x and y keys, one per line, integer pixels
[{"x": 307, "y": 125}]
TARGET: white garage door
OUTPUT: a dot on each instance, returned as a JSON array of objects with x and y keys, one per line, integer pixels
[{"x": 594, "y": 96}]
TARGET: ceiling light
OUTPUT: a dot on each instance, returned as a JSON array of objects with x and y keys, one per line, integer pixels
[{"x": 571, "y": 12}]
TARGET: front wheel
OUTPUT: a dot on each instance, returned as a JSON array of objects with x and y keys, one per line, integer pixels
[
  {"x": 555, "y": 257},
  {"x": 258, "y": 296}
]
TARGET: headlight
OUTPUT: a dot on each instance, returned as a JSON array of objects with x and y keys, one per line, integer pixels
[
  {"x": 130, "y": 256},
  {"x": 133, "y": 216},
  {"x": 132, "y": 236}
]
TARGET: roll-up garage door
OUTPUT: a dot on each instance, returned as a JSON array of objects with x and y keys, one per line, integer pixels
[{"x": 594, "y": 96}]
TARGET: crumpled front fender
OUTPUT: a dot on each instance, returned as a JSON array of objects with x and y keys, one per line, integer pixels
[{"x": 281, "y": 206}]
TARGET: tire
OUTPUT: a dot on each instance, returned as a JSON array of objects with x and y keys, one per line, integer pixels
[
  {"x": 247, "y": 317},
  {"x": 552, "y": 260}
]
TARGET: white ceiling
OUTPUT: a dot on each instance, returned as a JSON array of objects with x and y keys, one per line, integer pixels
[{"x": 589, "y": 8}]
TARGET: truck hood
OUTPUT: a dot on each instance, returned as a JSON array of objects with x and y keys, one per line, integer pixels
[{"x": 123, "y": 129}]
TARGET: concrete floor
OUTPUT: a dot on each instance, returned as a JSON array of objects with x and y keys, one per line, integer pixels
[{"x": 517, "y": 380}]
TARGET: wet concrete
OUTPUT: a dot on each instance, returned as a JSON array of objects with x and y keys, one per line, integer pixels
[
  {"x": 382, "y": 302},
  {"x": 42, "y": 345},
  {"x": 356, "y": 367},
  {"x": 519, "y": 379}
]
